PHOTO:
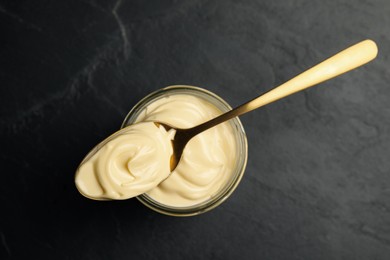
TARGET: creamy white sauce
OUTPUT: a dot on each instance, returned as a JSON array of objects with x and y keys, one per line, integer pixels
[
  {"x": 209, "y": 158},
  {"x": 126, "y": 164},
  {"x": 136, "y": 159}
]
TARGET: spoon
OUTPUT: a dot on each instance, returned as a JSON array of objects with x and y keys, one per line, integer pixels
[{"x": 342, "y": 62}]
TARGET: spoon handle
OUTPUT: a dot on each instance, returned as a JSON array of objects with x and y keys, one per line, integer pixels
[{"x": 344, "y": 61}]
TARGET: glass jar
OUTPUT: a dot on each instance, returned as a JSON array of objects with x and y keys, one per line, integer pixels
[{"x": 241, "y": 149}]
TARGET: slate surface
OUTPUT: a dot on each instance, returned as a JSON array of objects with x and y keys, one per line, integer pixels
[{"x": 317, "y": 185}]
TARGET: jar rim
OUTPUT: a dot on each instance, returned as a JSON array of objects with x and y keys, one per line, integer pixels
[{"x": 242, "y": 150}]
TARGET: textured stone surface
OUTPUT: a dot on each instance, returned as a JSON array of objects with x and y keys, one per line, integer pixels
[{"x": 317, "y": 185}]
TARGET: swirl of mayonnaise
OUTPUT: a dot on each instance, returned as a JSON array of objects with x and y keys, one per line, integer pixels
[
  {"x": 128, "y": 163},
  {"x": 208, "y": 160}
]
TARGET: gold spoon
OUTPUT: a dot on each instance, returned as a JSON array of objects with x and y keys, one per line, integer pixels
[{"x": 342, "y": 62}]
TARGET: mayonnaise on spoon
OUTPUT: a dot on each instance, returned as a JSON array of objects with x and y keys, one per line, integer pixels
[{"x": 126, "y": 164}]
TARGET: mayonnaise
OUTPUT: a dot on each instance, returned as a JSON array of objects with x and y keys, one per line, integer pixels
[
  {"x": 136, "y": 159},
  {"x": 126, "y": 164},
  {"x": 209, "y": 158}
]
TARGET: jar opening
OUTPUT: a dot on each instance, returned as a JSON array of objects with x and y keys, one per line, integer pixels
[{"x": 241, "y": 148}]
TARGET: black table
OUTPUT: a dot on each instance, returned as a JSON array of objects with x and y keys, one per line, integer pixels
[{"x": 317, "y": 184}]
